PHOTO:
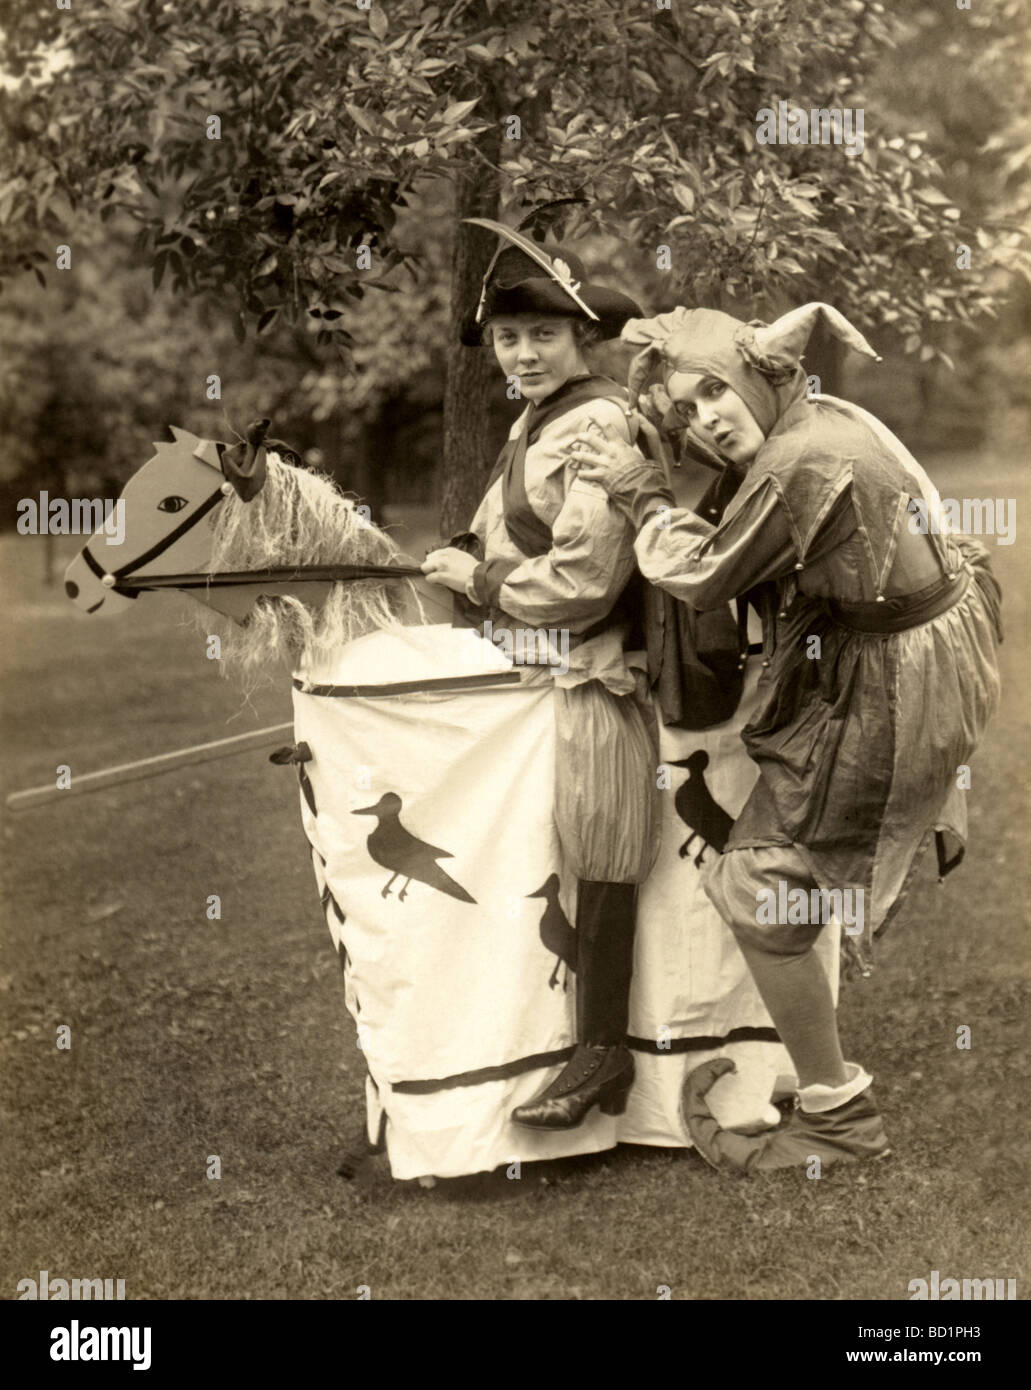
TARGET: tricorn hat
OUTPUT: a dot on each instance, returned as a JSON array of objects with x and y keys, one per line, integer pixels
[{"x": 525, "y": 277}]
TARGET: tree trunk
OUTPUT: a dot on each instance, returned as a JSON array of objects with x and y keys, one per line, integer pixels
[{"x": 470, "y": 371}]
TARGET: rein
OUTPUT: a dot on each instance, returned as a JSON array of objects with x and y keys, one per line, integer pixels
[
  {"x": 131, "y": 586},
  {"x": 125, "y": 582},
  {"x": 305, "y": 574}
]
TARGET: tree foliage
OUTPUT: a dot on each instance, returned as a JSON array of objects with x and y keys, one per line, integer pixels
[{"x": 336, "y": 120}]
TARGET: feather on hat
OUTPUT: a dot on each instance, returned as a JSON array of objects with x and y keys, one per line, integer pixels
[{"x": 526, "y": 278}]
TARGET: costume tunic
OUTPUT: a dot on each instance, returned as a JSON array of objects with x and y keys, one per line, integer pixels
[
  {"x": 861, "y": 733},
  {"x": 605, "y": 784}
]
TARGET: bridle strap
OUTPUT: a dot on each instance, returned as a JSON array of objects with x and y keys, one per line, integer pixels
[
  {"x": 129, "y": 588},
  {"x": 159, "y": 547}
]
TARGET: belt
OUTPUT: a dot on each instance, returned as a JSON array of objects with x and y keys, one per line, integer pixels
[{"x": 905, "y": 611}]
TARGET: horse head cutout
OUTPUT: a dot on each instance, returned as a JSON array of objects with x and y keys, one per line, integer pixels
[
  {"x": 232, "y": 524},
  {"x": 169, "y": 506}
]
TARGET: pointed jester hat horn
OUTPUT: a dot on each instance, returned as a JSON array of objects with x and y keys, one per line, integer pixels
[{"x": 784, "y": 341}]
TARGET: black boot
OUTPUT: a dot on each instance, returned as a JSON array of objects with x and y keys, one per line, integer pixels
[
  {"x": 592, "y": 1076},
  {"x": 601, "y": 1070}
]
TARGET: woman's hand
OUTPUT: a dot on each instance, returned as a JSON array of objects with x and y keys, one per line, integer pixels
[
  {"x": 451, "y": 567},
  {"x": 617, "y": 467}
]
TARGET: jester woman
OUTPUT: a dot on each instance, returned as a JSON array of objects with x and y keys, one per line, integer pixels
[
  {"x": 880, "y": 677},
  {"x": 546, "y": 551}
]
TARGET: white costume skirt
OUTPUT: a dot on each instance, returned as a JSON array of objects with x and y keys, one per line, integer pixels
[{"x": 428, "y": 800}]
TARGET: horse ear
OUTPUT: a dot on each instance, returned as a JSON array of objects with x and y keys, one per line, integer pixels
[
  {"x": 244, "y": 465},
  {"x": 786, "y": 339}
]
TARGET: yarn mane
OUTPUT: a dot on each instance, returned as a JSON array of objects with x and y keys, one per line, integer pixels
[{"x": 302, "y": 518}]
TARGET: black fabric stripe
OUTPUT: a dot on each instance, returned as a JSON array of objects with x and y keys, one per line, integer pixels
[
  {"x": 307, "y": 789},
  {"x": 704, "y": 1044},
  {"x": 381, "y": 1135},
  {"x": 483, "y": 1074},
  {"x": 327, "y": 900},
  {"x": 548, "y": 1059},
  {"x": 162, "y": 545},
  {"x": 371, "y": 692}
]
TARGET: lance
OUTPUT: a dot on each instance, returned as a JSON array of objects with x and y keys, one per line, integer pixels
[{"x": 143, "y": 768}]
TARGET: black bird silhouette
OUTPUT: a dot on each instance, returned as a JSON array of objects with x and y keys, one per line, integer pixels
[
  {"x": 699, "y": 810},
  {"x": 556, "y": 932},
  {"x": 396, "y": 849}
]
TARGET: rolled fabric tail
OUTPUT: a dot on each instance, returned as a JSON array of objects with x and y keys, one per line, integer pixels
[{"x": 721, "y": 1148}]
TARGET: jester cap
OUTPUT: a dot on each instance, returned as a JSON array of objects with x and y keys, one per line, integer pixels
[{"x": 761, "y": 362}]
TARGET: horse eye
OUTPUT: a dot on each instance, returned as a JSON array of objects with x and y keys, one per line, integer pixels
[{"x": 171, "y": 504}]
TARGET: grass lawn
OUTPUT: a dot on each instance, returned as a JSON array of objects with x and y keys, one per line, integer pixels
[{"x": 193, "y": 1037}]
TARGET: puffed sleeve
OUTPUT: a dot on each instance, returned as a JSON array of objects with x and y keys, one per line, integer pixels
[
  {"x": 706, "y": 566},
  {"x": 591, "y": 558}
]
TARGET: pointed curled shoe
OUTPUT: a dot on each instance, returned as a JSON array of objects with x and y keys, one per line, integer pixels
[
  {"x": 847, "y": 1133},
  {"x": 593, "y": 1076}
]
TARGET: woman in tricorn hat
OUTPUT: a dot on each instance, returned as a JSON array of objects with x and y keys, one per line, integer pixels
[
  {"x": 550, "y": 553},
  {"x": 880, "y": 640}
]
